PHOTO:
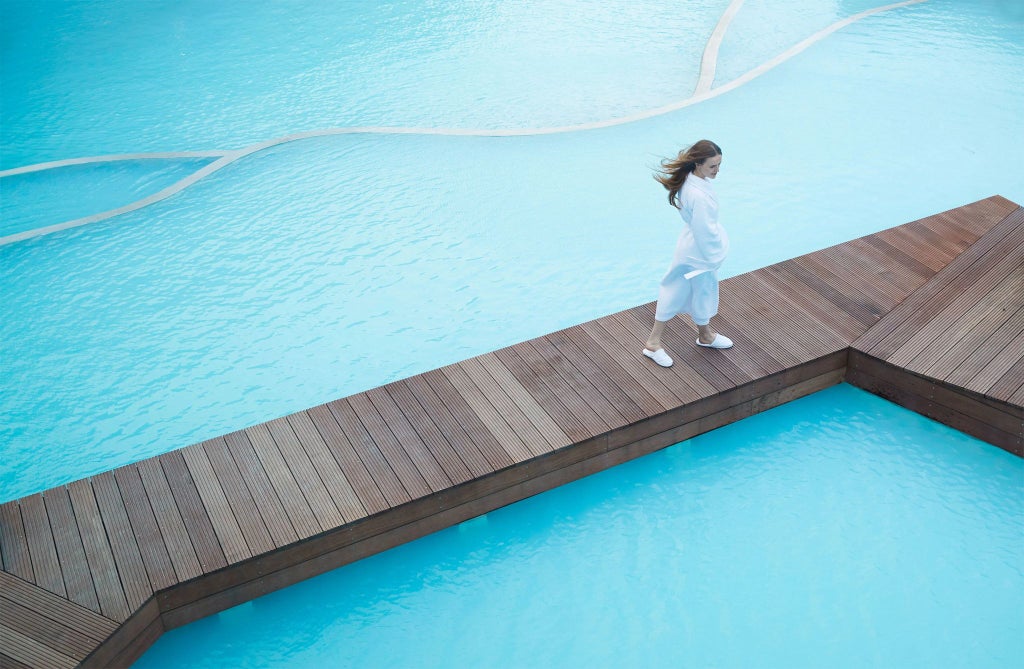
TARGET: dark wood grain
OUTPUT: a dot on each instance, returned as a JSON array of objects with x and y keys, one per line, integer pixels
[
  {"x": 13, "y": 543},
  {"x": 45, "y": 564}
]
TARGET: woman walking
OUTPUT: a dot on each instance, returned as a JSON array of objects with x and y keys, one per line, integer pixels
[{"x": 691, "y": 284}]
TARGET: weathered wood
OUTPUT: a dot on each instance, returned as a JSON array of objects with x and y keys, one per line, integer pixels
[
  {"x": 226, "y": 527},
  {"x": 13, "y": 543},
  {"x": 147, "y": 532},
  {"x": 98, "y": 554},
  {"x": 45, "y": 565},
  {"x": 302, "y": 518},
  {"x": 503, "y": 406},
  {"x": 123, "y": 544},
  {"x": 327, "y": 467},
  {"x": 448, "y": 424},
  {"x": 197, "y": 519},
  {"x": 70, "y": 551},
  {"x": 381, "y": 471},
  {"x": 172, "y": 526},
  {"x": 259, "y": 485},
  {"x": 56, "y": 608},
  {"x": 243, "y": 506},
  {"x": 363, "y": 485},
  {"x": 324, "y": 511}
]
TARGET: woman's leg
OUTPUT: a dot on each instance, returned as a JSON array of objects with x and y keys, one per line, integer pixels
[
  {"x": 654, "y": 339},
  {"x": 704, "y": 305}
]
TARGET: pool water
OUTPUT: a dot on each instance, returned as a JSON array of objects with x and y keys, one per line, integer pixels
[
  {"x": 326, "y": 266},
  {"x": 839, "y": 530}
]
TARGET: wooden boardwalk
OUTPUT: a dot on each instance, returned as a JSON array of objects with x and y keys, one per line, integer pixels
[{"x": 930, "y": 314}]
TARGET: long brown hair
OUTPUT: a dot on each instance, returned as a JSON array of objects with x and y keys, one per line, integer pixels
[{"x": 674, "y": 171}]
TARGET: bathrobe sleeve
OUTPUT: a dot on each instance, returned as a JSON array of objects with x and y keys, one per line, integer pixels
[
  {"x": 707, "y": 233},
  {"x": 710, "y": 243}
]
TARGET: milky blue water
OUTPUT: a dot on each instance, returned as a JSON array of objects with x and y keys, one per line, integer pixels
[
  {"x": 836, "y": 531},
  {"x": 326, "y": 266}
]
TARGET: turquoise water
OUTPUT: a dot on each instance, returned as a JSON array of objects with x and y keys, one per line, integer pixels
[
  {"x": 326, "y": 266},
  {"x": 835, "y": 531}
]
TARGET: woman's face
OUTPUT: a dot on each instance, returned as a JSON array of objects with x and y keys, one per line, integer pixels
[{"x": 709, "y": 168}]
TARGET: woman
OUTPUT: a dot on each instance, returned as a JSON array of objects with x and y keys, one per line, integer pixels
[{"x": 691, "y": 284}]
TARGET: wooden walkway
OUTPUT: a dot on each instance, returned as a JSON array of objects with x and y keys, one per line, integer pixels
[{"x": 930, "y": 314}]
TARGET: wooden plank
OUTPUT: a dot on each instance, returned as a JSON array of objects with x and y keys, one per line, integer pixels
[
  {"x": 565, "y": 418},
  {"x": 529, "y": 406},
  {"x": 872, "y": 302},
  {"x": 586, "y": 388},
  {"x": 496, "y": 456},
  {"x": 405, "y": 437},
  {"x": 197, "y": 520},
  {"x": 817, "y": 337},
  {"x": 617, "y": 387},
  {"x": 301, "y": 517},
  {"x": 130, "y": 568},
  {"x": 168, "y": 517},
  {"x": 259, "y": 485},
  {"x": 450, "y": 427},
  {"x": 45, "y": 565},
  {"x": 13, "y": 543},
  {"x": 845, "y": 301},
  {"x": 617, "y": 333},
  {"x": 657, "y": 385},
  {"x": 1017, "y": 398},
  {"x": 930, "y": 399},
  {"x": 908, "y": 242},
  {"x": 56, "y": 608},
  {"x": 1010, "y": 385},
  {"x": 355, "y": 471},
  {"x": 327, "y": 467},
  {"x": 370, "y": 455},
  {"x": 597, "y": 418},
  {"x": 244, "y": 508},
  {"x": 707, "y": 364},
  {"x": 1000, "y": 357},
  {"x": 403, "y": 466},
  {"x": 756, "y": 327},
  {"x": 8, "y": 662},
  {"x": 903, "y": 320},
  {"x": 926, "y": 325},
  {"x": 504, "y": 406},
  {"x": 31, "y": 652},
  {"x": 840, "y": 324},
  {"x": 753, "y": 363},
  {"x": 128, "y": 642},
  {"x": 225, "y": 526},
  {"x": 998, "y": 416},
  {"x": 109, "y": 591},
  {"x": 70, "y": 551},
  {"x": 980, "y": 334},
  {"x": 312, "y": 486},
  {"x": 496, "y": 424},
  {"x": 54, "y": 634},
  {"x": 898, "y": 272},
  {"x": 428, "y": 432},
  {"x": 145, "y": 527}
]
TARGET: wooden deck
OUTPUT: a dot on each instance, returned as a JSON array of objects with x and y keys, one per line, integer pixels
[{"x": 930, "y": 314}]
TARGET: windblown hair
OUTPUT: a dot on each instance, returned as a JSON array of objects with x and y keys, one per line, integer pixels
[{"x": 674, "y": 171}]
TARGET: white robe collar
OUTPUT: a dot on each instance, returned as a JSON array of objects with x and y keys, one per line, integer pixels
[{"x": 703, "y": 185}]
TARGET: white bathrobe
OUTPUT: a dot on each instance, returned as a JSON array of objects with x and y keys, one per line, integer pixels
[{"x": 691, "y": 284}]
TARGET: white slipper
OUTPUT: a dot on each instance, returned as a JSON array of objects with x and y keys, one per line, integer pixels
[
  {"x": 720, "y": 341},
  {"x": 659, "y": 357}
]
